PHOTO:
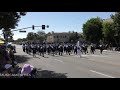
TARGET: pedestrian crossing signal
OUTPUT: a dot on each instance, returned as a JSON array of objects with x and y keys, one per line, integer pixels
[{"x": 43, "y": 26}]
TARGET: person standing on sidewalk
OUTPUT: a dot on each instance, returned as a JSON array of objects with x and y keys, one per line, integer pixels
[
  {"x": 11, "y": 55},
  {"x": 23, "y": 47},
  {"x": 101, "y": 48}
]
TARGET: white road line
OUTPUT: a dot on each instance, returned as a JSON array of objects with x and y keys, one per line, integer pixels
[
  {"x": 102, "y": 74},
  {"x": 58, "y": 60},
  {"x": 101, "y": 56}
]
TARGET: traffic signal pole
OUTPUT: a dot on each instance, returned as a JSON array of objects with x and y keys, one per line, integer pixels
[
  {"x": 43, "y": 27},
  {"x": 21, "y": 30},
  {"x": 33, "y": 27}
]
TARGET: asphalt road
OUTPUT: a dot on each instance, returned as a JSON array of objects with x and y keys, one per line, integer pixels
[{"x": 106, "y": 65}]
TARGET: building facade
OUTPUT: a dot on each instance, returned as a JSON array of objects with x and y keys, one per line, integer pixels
[
  {"x": 108, "y": 20},
  {"x": 58, "y": 38},
  {"x": 63, "y": 37}
]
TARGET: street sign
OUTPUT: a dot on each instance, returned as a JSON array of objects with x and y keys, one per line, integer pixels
[{"x": 23, "y": 31}]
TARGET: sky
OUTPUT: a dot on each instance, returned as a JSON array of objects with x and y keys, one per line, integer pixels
[{"x": 57, "y": 21}]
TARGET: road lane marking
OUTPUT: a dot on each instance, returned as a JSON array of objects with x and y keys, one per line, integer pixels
[
  {"x": 101, "y": 56},
  {"x": 102, "y": 74},
  {"x": 58, "y": 60}
]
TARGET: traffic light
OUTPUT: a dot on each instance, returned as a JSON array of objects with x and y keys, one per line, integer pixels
[
  {"x": 47, "y": 26},
  {"x": 43, "y": 26},
  {"x": 33, "y": 27}
]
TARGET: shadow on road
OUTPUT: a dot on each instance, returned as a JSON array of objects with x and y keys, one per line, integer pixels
[
  {"x": 21, "y": 58},
  {"x": 50, "y": 74}
]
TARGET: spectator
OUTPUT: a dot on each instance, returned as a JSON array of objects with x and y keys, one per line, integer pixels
[
  {"x": 14, "y": 49},
  {"x": 11, "y": 55}
]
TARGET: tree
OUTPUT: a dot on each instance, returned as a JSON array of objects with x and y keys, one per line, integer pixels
[
  {"x": 92, "y": 30},
  {"x": 108, "y": 32},
  {"x": 41, "y": 36},
  {"x": 69, "y": 32},
  {"x": 24, "y": 39},
  {"x": 74, "y": 36},
  {"x": 41, "y": 33},
  {"x": 49, "y": 33},
  {"x": 116, "y": 22},
  {"x": 82, "y": 36},
  {"x": 30, "y": 36},
  {"x": 20, "y": 40},
  {"x": 52, "y": 32},
  {"x": 8, "y": 21}
]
